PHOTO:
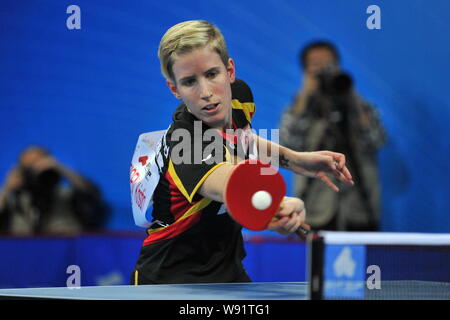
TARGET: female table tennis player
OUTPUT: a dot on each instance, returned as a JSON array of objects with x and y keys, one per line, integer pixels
[{"x": 192, "y": 239}]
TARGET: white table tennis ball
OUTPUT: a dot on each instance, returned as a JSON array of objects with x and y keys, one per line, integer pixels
[{"x": 261, "y": 200}]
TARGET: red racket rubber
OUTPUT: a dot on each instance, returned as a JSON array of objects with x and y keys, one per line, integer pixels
[{"x": 247, "y": 178}]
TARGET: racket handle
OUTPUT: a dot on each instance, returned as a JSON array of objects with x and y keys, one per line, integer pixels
[{"x": 302, "y": 232}]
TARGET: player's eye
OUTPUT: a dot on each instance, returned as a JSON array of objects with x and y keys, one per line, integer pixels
[
  {"x": 188, "y": 82},
  {"x": 212, "y": 74}
]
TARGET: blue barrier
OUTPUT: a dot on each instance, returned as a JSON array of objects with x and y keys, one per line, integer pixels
[{"x": 109, "y": 258}]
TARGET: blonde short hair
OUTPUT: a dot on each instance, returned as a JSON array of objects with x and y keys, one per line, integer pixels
[{"x": 187, "y": 36}]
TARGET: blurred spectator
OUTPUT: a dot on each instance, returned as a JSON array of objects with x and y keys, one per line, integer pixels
[
  {"x": 42, "y": 196},
  {"x": 328, "y": 114}
]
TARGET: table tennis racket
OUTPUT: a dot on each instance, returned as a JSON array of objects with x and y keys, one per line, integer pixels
[{"x": 254, "y": 193}]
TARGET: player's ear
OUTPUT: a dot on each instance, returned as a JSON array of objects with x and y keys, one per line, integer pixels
[
  {"x": 231, "y": 70},
  {"x": 173, "y": 88}
]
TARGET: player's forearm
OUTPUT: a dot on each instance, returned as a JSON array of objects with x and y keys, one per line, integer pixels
[
  {"x": 273, "y": 153},
  {"x": 214, "y": 186}
]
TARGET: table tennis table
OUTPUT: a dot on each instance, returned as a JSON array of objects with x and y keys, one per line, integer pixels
[
  {"x": 222, "y": 291},
  {"x": 390, "y": 290}
]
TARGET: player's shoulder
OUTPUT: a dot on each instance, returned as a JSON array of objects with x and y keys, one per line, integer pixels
[
  {"x": 242, "y": 103},
  {"x": 241, "y": 91}
]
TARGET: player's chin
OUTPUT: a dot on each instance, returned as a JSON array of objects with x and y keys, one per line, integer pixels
[{"x": 215, "y": 121}]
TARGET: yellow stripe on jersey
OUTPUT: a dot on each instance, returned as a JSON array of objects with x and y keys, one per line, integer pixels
[
  {"x": 180, "y": 185},
  {"x": 192, "y": 210},
  {"x": 177, "y": 180},
  {"x": 196, "y": 208},
  {"x": 204, "y": 178},
  {"x": 247, "y": 107}
]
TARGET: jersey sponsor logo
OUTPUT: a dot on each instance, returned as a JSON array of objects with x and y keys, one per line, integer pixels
[
  {"x": 140, "y": 196},
  {"x": 145, "y": 173}
]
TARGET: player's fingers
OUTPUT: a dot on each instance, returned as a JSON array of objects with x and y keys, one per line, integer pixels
[
  {"x": 277, "y": 223},
  {"x": 296, "y": 226},
  {"x": 329, "y": 183},
  {"x": 306, "y": 226},
  {"x": 345, "y": 179},
  {"x": 339, "y": 175},
  {"x": 331, "y": 164},
  {"x": 290, "y": 205},
  {"x": 297, "y": 219},
  {"x": 302, "y": 215},
  {"x": 337, "y": 159},
  {"x": 347, "y": 174},
  {"x": 284, "y": 210},
  {"x": 293, "y": 223},
  {"x": 344, "y": 176},
  {"x": 340, "y": 159}
]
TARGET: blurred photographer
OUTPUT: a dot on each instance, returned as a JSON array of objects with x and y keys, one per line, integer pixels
[
  {"x": 328, "y": 114},
  {"x": 42, "y": 196}
]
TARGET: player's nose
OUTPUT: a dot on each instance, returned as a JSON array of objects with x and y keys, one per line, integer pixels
[{"x": 205, "y": 90}]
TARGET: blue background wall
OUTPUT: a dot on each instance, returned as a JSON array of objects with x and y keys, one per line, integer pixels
[
  {"x": 87, "y": 94},
  {"x": 109, "y": 259}
]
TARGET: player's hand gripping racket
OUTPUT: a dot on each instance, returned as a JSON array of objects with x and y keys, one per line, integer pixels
[{"x": 253, "y": 198}]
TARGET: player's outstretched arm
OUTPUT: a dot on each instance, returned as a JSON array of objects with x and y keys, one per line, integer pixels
[
  {"x": 318, "y": 164},
  {"x": 214, "y": 185}
]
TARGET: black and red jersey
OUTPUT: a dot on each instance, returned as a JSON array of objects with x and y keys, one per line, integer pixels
[{"x": 194, "y": 239}]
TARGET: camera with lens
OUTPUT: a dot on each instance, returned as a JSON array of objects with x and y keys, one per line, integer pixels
[
  {"x": 44, "y": 179},
  {"x": 334, "y": 82}
]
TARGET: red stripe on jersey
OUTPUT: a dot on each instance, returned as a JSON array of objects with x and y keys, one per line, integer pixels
[
  {"x": 178, "y": 207},
  {"x": 233, "y": 124},
  {"x": 178, "y": 202},
  {"x": 231, "y": 138},
  {"x": 173, "y": 230}
]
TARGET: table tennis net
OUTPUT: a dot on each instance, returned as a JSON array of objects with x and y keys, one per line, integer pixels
[{"x": 386, "y": 266}]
